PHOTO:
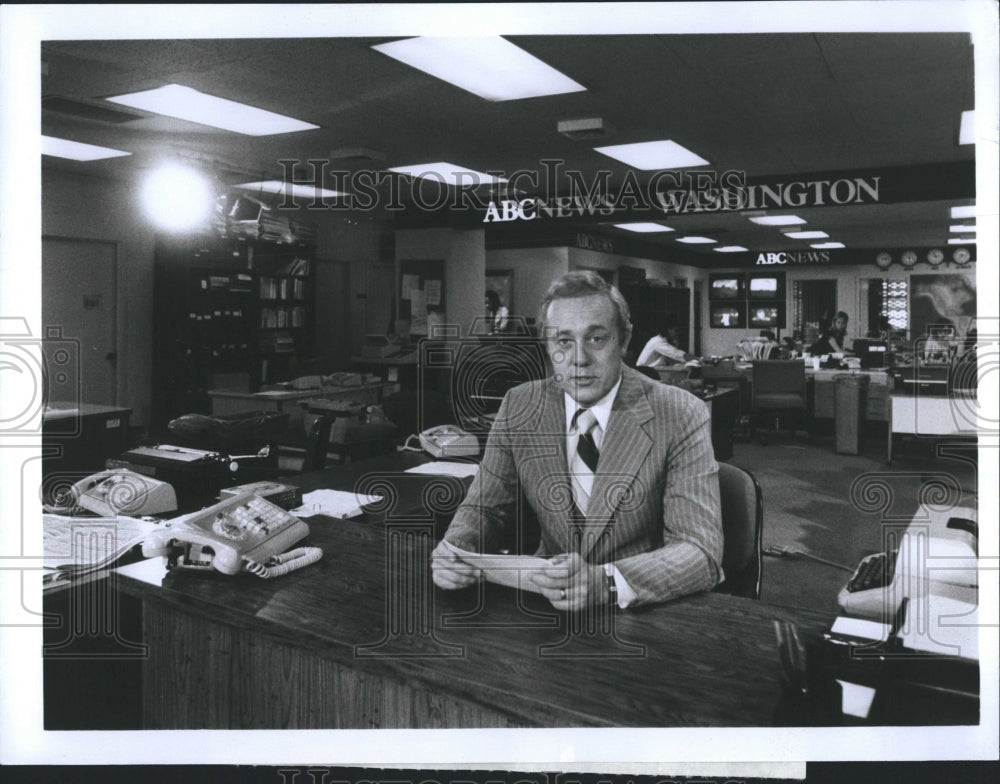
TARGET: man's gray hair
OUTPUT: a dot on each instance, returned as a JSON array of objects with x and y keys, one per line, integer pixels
[{"x": 584, "y": 283}]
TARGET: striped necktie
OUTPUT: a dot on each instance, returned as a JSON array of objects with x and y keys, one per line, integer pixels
[{"x": 584, "y": 461}]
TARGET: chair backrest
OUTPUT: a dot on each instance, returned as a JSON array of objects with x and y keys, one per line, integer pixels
[
  {"x": 317, "y": 443},
  {"x": 779, "y": 375},
  {"x": 742, "y": 527}
]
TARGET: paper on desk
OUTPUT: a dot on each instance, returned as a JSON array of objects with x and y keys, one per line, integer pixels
[
  {"x": 80, "y": 544},
  {"x": 510, "y": 570},
  {"x": 334, "y": 503},
  {"x": 445, "y": 468}
]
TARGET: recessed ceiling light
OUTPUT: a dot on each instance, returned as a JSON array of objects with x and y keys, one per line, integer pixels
[
  {"x": 729, "y": 249},
  {"x": 186, "y": 103},
  {"x": 827, "y": 245},
  {"x": 290, "y": 188},
  {"x": 806, "y": 235},
  {"x": 77, "y": 151},
  {"x": 778, "y": 220},
  {"x": 968, "y": 211},
  {"x": 646, "y": 156},
  {"x": 448, "y": 173},
  {"x": 643, "y": 228},
  {"x": 696, "y": 240},
  {"x": 961, "y": 227},
  {"x": 489, "y": 66},
  {"x": 961, "y": 240},
  {"x": 967, "y": 130}
]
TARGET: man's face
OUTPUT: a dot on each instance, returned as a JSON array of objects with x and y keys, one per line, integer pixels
[{"x": 584, "y": 347}]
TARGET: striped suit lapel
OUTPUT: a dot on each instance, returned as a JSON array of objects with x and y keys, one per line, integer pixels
[
  {"x": 544, "y": 467},
  {"x": 624, "y": 450}
]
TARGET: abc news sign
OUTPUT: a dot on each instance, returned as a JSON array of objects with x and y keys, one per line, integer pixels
[{"x": 793, "y": 257}]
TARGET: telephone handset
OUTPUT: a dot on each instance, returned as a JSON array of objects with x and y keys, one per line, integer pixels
[
  {"x": 120, "y": 492},
  {"x": 243, "y": 530},
  {"x": 449, "y": 441}
]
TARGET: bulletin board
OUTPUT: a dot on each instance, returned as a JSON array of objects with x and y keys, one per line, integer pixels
[{"x": 421, "y": 290}]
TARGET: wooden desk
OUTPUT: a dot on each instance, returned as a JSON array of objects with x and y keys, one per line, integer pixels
[{"x": 363, "y": 640}]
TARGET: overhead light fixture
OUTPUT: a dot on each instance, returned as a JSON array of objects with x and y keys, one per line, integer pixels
[
  {"x": 967, "y": 211},
  {"x": 290, "y": 188},
  {"x": 78, "y": 151},
  {"x": 186, "y": 103},
  {"x": 178, "y": 197},
  {"x": 827, "y": 245},
  {"x": 643, "y": 228},
  {"x": 806, "y": 235},
  {"x": 448, "y": 173},
  {"x": 646, "y": 156},
  {"x": 696, "y": 240},
  {"x": 489, "y": 66},
  {"x": 730, "y": 249},
  {"x": 778, "y": 220},
  {"x": 961, "y": 227},
  {"x": 967, "y": 130},
  {"x": 961, "y": 240}
]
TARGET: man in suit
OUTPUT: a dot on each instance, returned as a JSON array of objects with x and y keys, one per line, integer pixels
[{"x": 618, "y": 468}]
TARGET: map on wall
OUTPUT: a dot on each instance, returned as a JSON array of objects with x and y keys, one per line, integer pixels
[{"x": 945, "y": 300}]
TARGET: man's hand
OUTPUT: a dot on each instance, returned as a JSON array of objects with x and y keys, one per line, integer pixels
[
  {"x": 571, "y": 583},
  {"x": 448, "y": 571}
]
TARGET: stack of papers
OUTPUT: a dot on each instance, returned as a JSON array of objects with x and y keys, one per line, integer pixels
[
  {"x": 446, "y": 468},
  {"x": 334, "y": 503},
  {"x": 77, "y": 545}
]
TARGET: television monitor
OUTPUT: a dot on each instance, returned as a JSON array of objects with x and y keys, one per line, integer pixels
[
  {"x": 767, "y": 316},
  {"x": 722, "y": 316},
  {"x": 723, "y": 287},
  {"x": 766, "y": 287}
]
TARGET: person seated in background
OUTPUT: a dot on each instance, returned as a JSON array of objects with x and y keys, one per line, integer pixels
[
  {"x": 937, "y": 347},
  {"x": 661, "y": 350},
  {"x": 832, "y": 339},
  {"x": 496, "y": 313},
  {"x": 619, "y": 469}
]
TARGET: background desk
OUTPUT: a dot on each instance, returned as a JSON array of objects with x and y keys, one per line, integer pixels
[
  {"x": 362, "y": 639},
  {"x": 927, "y": 415}
]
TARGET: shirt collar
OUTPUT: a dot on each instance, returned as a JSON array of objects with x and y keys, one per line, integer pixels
[{"x": 601, "y": 409}]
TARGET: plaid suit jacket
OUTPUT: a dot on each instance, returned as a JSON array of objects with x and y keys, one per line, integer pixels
[{"x": 654, "y": 510}]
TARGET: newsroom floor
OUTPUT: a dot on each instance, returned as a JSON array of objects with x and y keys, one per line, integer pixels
[{"x": 831, "y": 505}]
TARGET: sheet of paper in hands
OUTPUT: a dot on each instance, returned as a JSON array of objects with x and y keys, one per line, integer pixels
[{"x": 510, "y": 570}]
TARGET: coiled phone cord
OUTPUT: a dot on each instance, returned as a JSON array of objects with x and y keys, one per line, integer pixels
[{"x": 277, "y": 565}]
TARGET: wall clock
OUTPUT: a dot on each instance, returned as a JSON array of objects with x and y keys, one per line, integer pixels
[
  {"x": 909, "y": 258},
  {"x": 935, "y": 256},
  {"x": 883, "y": 260},
  {"x": 961, "y": 255}
]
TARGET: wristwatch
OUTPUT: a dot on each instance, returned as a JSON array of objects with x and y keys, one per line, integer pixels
[{"x": 609, "y": 572}]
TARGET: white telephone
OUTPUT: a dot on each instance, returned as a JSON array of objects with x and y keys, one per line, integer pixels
[
  {"x": 242, "y": 532},
  {"x": 449, "y": 441},
  {"x": 121, "y": 492}
]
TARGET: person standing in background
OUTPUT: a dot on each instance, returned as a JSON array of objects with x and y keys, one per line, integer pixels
[{"x": 496, "y": 313}]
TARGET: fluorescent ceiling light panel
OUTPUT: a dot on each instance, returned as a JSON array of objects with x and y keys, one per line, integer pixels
[
  {"x": 77, "y": 151},
  {"x": 969, "y": 211},
  {"x": 643, "y": 228},
  {"x": 293, "y": 189},
  {"x": 730, "y": 249},
  {"x": 961, "y": 240},
  {"x": 448, "y": 173},
  {"x": 806, "y": 235},
  {"x": 778, "y": 220},
  {"x": 186, "y": 103},
  {"x": 646, "y": 156},
  {"x": 827, "y": 245},
  {"x": 961, "y": 227},
  {"x": 967, "y": 130},
  {"x": 490, "y": 67},
  {"x": 696, "y": 240}
]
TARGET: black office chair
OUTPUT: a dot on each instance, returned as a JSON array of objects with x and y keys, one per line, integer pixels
[
  {"x": 742, "y": 527},
  {"x": 779, "y": 386},
  {"x": 311, "y": 454}
]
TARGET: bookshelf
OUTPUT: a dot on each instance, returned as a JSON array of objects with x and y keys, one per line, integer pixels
[{"x": 239, "y": 309}]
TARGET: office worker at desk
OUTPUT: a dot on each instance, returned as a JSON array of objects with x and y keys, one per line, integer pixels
[
  {"x": 661, "y": 349},
  {"x": 831, "y": 341},
  {"x": 651, "y": 530}
]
